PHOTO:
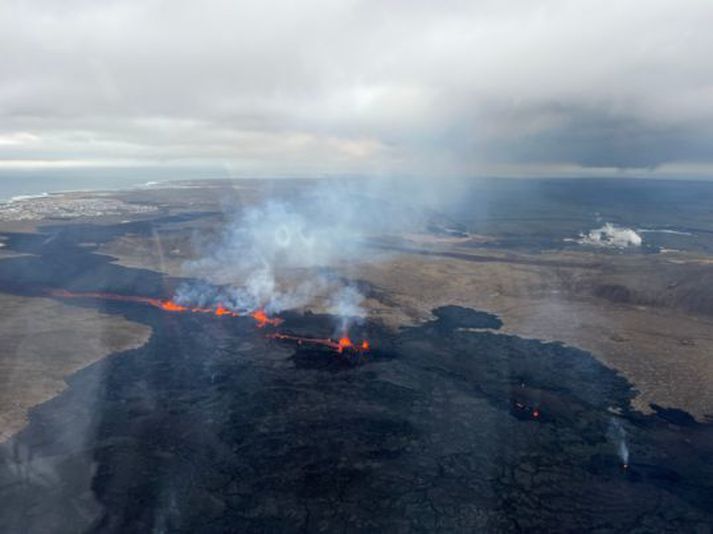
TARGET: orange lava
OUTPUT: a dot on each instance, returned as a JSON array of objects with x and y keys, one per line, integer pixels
[
  {"x": 169, "y": 305},
  {"x": 263, "y": 320},
  {"x": 222, "y": 310},
  {"x": 340, "y": 346},
  {"x": 165, "y": 305},
  {"x": 345, "y": 343}
]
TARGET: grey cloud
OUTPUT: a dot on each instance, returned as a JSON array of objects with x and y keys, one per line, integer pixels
[
  {"x": 360, "y": 87},
  {"x": 600, "y": 138}
]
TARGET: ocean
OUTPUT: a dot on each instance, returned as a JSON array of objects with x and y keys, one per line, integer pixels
[{"x": 14, "y": 184}]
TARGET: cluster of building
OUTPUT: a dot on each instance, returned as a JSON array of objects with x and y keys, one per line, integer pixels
[{"x": 63, "y": 206}]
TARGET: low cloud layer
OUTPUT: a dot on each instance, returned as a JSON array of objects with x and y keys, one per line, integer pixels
[{"x": 358, "y": 87}]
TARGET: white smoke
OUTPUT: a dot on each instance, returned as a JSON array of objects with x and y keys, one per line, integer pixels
[
  {"x": 347, "y": 304},
  {"x": 247, "y": 261},
  {"x": 617, "y": 433},
  {"x": 281, "y": 254},
  {"x": 610, "y": 236}
]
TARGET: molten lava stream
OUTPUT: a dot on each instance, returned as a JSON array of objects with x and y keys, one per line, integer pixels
[
  {"x": 168, "y": 305},
  {"x": 345, "y": 343},
  {"x": 340, "y": 346},
  {"x": 262, "y": 319}
]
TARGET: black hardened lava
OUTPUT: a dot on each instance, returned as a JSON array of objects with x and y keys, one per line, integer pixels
[{"x": 448, "y": 426}]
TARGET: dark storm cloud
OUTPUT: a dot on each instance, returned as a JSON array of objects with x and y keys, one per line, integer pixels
[
  {"x": 600, "y": 138},
  {"x": 356, "y": 86}
]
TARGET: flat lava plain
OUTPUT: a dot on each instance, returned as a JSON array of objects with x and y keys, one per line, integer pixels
[{"x": 450, "y": 422}]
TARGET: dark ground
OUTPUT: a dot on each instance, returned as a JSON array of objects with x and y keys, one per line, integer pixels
[{"x": 212, "y": 427}]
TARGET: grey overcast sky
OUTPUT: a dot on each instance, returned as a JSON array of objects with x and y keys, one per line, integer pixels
[{"x": 375, "y": 87}]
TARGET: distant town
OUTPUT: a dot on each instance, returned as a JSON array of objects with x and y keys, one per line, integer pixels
[{"x": 69, "y": 206}]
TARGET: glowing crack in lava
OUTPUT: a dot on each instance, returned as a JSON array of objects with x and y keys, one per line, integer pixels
[
  {"x": 262, "y": 319},
  {"x": 222, "y": 310},
  {"x": 168, "y": 305},
  {"x": 344, "y": 344}
]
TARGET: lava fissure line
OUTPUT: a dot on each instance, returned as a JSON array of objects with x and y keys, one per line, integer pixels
[
  {"x": 343, "y": 344},
  {"x": 262, "y": 319}
]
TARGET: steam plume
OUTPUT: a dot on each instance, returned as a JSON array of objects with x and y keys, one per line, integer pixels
[
  {"x": 617, "y": 433},
  {"x": 281, "y": 254},
  {"x": 610, "y": 236}
]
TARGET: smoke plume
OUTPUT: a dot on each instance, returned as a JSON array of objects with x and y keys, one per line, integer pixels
[
  {"x": 285, "y": 252},
  {"x": 610, "y": 236},
  {"x": 617, "y": 433}
]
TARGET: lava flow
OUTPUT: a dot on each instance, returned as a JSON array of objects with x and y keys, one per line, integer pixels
[
  {"x": 344, "y": 344},
  {"x": 262, "y": 319},
  {"x": 166, "y": 305},
  {"x": 260, "y": 316},
  {"x": 169, "y": 305}
]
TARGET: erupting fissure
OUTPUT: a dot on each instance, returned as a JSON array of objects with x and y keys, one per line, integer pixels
[
  {"x": 220, "y": 310},
  {"x": 262, "y": 319},
  {"x": 344, "y": 344}
]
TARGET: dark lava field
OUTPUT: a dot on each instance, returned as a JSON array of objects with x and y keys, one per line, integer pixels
[{"x": 446, "y": 426}]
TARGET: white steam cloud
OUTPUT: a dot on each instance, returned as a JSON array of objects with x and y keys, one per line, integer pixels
[
  {"x": 258, "y": 258},
  {"x": 285, "y": 253},
  {"x": 610, "y": 236},
  {"x": 618, "y": 434},
  {"x": 347, "y": 304}
]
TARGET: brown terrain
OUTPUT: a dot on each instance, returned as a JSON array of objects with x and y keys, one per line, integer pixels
[{"x": 43, "y": 341}]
